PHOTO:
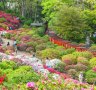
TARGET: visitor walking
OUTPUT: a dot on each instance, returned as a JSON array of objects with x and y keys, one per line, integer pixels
[
  {"x": 15, "y": 48},
  {"x": 8, "y": 43},
  {"x": 81, "y": 77},
  {"x": 14, "y": 43},
  {"x": 48, "y": 63},
  {"x": 1, "y": 41}
]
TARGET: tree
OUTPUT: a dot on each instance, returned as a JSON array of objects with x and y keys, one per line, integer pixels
[
  {"x": 90, "y": 17},
  {"x": 49, "y": 8},
  {"x": 68, "y": 23},
  {"x": 3, "y": 3}
]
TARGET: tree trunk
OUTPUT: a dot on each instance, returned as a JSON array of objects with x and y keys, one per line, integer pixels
[
  {"x": 3, "y": 1},
  {"x": 46, "y": 26},
  {"x": 23, "y": 8}
]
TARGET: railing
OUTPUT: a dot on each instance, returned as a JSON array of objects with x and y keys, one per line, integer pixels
[{"x": 68, "y": 44}]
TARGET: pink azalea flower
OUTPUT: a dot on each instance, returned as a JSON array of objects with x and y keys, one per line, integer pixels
[{"x": 30, "y": 84}]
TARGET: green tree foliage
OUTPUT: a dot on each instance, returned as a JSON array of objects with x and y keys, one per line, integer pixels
[
  {"x": 69, "y": 23},
  {"x": 90, "y": 18}
]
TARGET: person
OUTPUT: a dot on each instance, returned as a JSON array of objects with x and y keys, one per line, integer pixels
[
  {"x": 11, "y": 28},
  {"x": 14, "y": 43},
  {"x": 8, "y": 44},
  {"x": 1, "y": 41},
  {"x": 33, "y": 55},
  {"x": 48, "y": 64},
  {"x": 15, "y": 48},
  {"x": 81, "y": 77}
]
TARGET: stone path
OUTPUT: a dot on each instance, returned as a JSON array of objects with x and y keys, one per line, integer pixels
[
  {"x": 26, "y": 58},
  {"x": 5, "y": 41}
]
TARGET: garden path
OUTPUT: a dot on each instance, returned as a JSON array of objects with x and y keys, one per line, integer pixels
[{"x": 11, "y": 43}]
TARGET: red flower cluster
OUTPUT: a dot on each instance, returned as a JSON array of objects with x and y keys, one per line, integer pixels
[
  {"x": 94, "y": 69},
  {"x": 2, "y": 79},
  {"x": 56, "y": 72}
]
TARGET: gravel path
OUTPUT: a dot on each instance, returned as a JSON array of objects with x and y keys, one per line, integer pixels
[{"x": 5, "y": 41}]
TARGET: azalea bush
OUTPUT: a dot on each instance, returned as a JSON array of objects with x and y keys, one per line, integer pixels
[
  {"x": 60, "y": 84},
  {"x": 51, "y": 53},
  {"x": 23, "y": 74},
  {"x": 92, "y": 48},
  {"x": 69, "y": 51},
  {"x": 83, "y": 61},
  {"x": 69, "y": 59},
  {"x": 2, "y": 20},
  {"x": 17, "y": 74},
  {"x": 93, "y": 62},
  {"x": 60, "y": 67},
  {"x": 91, "y": 76},
  {"x": 7, "y": 65},
  {"x": 86, "y": 54}
]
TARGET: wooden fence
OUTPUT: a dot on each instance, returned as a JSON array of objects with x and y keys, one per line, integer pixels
[{"x": 68, "y": 44}]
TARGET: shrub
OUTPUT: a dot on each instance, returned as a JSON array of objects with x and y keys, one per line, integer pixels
[
  {"x": 80, "y": 67},
  {"x": 7, "y": 65},
  {"x": 93, "y": 62},
  {"x": 51, "y": 53},
  {"x": 28, "y": 22},
  {"x": 69, "y": 51},
  {"x": 69, "y": 67},
  {"x": 2, "y": 20},
  {"x": 69, "y": 59},
  {"x": 25, "y": 38},
  {"x": 25, "y": 26},
  {"x": 22, "y": 46},
  {"x": 92, "y": 48},
  {"x": 91, "y": 76},
  {"x": 40, "y": 31},
  {"x": 30, "y": 49},
  {"x": 60, "y": 67},
  {"x": 23, "y": 74},
  {"x": 83, "y": 61},
  {"x": 94, "y": 69},
  {"x": 86, "y": 54},
  {"x": 45, "y": 38},
  {"x": 41, "y": 47},
  {"x": 72, "y": 73},
  {"x": 8, "y": 35},
  {"x": 3, "y": 25}
]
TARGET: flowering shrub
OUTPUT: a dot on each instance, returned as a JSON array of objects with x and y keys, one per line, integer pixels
[
  {"x": 93, "y": 62},
  {"x": 25, "y": 38},
  {"x": 7, "y": 64},
  {"x": 94, "y": 69},
  {"x": 69, "y": 51},
  {"x": 22, "y": 46},
  {"x": 86, "y": 54},
  {"x": 81, "y": 67},
  {"x": 2, "y": 49},
  {"x": 60, "y": 84},
  {"x": 2, "y": 20},
  {"x": 31, "y": 85},
  {"x": 60, "y": 67},
  {"x": 23, "y": 74},
  {"x": 69, "y": 59},
  {"x": 91, "y": 76},
  {"x": 72, "y": 73},
  {"x": 83, "y": 61},
  {"x": 51, "y": 53},
  {"x": 41, "y": 47},
  {"x": 67, "y": 67},
  {"x": 92, "y": 48}
]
